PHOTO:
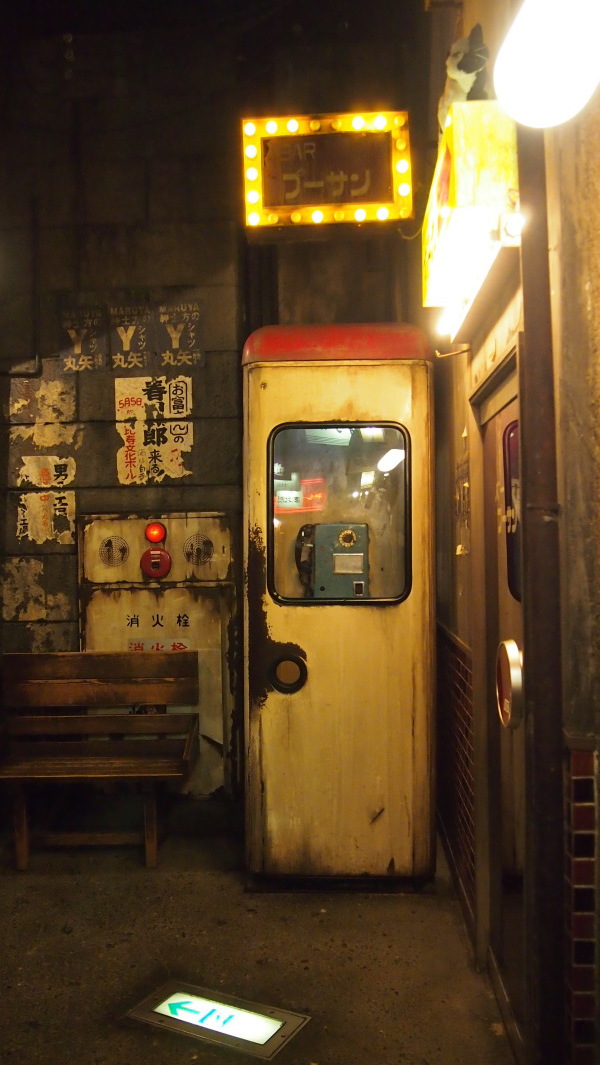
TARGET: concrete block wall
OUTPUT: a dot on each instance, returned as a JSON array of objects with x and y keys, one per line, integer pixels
[{"x": 118, "y": 189}]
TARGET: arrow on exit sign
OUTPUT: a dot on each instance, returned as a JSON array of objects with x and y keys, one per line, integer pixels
[{"x": 175, "y": 1007}]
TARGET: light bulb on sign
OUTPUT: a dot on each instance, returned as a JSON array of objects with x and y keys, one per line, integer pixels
[{"x": 547, "y": 68}]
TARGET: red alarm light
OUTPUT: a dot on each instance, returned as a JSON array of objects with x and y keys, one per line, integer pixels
[{"x": 155, "y": 532}]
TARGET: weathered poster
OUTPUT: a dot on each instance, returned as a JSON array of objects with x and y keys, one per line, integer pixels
[
  {"x": 46, "y": 471},
  {"x": 84, "y": 337},
  {"x": 43, "y": 516},
  {"x": 131, "y": 332},
  {"x": 178, "y": 331},
  {"x": 153, "y": 419}
]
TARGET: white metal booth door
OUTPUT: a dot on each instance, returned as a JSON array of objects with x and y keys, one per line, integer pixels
[{"x": 339, "y": 640}]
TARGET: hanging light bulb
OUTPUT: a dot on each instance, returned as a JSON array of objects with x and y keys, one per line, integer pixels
[{"x": 547, "y": 68}]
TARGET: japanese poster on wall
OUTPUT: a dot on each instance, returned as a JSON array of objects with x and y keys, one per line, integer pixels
[
  {"x": 131, "y": 334},
  {"x": 45, "y": 471},
  {"x": 131, "y": 330},
  {"x": 43, "y": 516},
  {"x": 153, "y": 420},
  {"x": 85, "y": 338},
  {"x": 178, "y": 331}
]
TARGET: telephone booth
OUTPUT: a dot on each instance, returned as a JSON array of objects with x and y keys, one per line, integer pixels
[{"x": 339, "y": 611}]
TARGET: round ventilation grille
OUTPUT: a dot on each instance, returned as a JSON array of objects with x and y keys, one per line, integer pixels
[
  {"x": 198, "y": 549},
  {"x": 114, "y": 551}
]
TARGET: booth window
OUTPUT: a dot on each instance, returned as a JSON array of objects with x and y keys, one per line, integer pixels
[{"x": 340, "y": 521}]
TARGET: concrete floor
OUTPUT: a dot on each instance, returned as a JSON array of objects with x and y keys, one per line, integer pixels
[{"x": 387, "y": 979}]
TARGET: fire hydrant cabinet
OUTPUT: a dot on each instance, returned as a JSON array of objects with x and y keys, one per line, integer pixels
[
  {"x": 165, "y": 583},
  {"x": 339, "y": 610}
]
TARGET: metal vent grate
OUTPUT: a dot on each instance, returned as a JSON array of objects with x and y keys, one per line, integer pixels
[
  {"x": 114, "y": 551},
  {"x": 198, "y": 549}
]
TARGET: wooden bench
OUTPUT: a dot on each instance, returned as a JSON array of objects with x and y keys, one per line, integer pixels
[{"x": 48, "y": 735}]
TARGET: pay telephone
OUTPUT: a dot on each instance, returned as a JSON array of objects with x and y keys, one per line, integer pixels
[{"x": 332, "y": 559}]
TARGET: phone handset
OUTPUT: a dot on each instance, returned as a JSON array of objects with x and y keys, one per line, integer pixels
[{"x": 303, "y": 556}]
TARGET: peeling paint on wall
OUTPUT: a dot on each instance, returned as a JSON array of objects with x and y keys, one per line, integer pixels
[
  {"x": 47, "y": 435},
  {"x": 152, "y": 416},
  {"x": 45, "y": 471},
  {"x": 57, "y": 607},
  {"x": 17, "y": 406},
  {"x": 56, "y": 401},
  {"x": 23, "y": 597},
  {"x": 55, "y": 409},
  {"x": 47, "y": 638},
  {"x": 43, "y": 516}
]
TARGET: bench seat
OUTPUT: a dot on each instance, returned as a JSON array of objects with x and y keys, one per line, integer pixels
[
  {"x": 59, "y": 744},
  {"x": 79, "y": 767}
]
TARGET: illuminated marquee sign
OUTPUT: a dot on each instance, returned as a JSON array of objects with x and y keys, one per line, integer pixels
[
  {"x": 231, "y": 1022},
  {"x": 313, "y": 169},
  {"x": 473, "y": 205}
]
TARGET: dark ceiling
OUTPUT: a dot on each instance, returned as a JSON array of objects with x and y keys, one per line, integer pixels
[
  {"x": 304, "y": 18},
  {"x": 260, "y": 31},
  {"x": 310, "y": 55}
]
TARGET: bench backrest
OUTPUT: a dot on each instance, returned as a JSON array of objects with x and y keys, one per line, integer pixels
[{"x": 100, "y": 679}]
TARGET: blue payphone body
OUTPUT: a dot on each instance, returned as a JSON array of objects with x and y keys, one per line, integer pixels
[{"x": 333, "y": 560}]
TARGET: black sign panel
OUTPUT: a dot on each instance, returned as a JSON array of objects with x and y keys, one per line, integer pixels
[
  {"x": 327, "y": 168},
  {"x": 84, "y": 341}
]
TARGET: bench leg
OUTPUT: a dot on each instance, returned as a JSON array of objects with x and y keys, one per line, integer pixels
[
  {"x": 20, "y": 827},
  {"x": 150, "y": 829}
]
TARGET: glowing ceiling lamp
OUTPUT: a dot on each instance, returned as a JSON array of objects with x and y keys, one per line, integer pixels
[
  {"x": 547, "y": 68},
  {"x": 390, "y": 460}
]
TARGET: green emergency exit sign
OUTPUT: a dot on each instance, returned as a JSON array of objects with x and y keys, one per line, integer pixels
[{"x": 214, "y": 1018}]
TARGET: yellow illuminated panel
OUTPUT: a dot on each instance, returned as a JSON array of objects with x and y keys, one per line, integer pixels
[
  {"x": 472, "y": 210},
  {"x": 317, "y": 169}
]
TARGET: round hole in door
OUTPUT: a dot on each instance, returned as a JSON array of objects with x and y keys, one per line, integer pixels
[{"x": 288, "y": 674}]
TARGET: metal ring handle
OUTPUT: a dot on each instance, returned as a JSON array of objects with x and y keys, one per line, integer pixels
[{"x": 509, "y": 684}]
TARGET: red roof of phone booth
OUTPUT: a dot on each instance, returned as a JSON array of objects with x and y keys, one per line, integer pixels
[{"x": 316, "y": 343}]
